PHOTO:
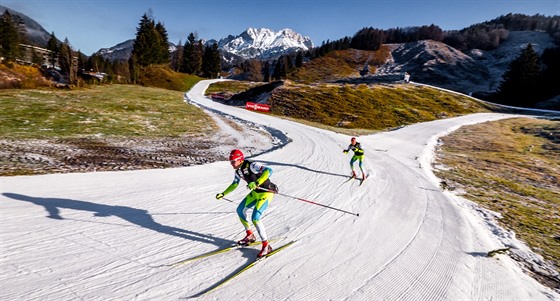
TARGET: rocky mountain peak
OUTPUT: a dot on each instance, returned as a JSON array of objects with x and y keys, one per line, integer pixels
[{"x": 264, "y": 43}]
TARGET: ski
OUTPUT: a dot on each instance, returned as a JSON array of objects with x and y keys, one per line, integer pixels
[
  {"x": 216, "y": 252},
  {"x": 247, "y": 267},
  {"x": 363, "y": 179},
  {"x": 348, "y": 180}
]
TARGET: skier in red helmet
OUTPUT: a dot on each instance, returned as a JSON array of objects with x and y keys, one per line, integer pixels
[{"x": 257, "y": 177}]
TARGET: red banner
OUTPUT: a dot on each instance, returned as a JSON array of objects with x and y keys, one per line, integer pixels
[{"x": 257, "y": 107}]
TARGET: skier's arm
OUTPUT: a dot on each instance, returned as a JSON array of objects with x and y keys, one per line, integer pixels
[
  {"x": 265, "y": 172},
  {"x": 230, "y": 188},
  {"x": 265, "y": 175}
]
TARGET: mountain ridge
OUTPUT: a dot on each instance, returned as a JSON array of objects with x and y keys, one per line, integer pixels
[
  {"x": 264, "y": 43},
  {"x": 261, "y": 43}
]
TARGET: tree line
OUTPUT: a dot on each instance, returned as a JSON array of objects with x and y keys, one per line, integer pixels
[
  {"x": 530, "y": 78},
  {"x": 151, "y": 47},
  {"x": 12, "y": 34},
  {"x": 527, "y": 74}
]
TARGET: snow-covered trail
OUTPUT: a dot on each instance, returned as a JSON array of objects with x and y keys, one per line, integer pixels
[{"x": 108, "y": 235}]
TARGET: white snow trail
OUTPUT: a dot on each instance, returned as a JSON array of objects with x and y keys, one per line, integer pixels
[{"x": 109, "y": 235}]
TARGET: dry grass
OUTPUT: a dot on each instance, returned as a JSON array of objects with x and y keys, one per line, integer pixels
[
  {"x": 340, "y": 64},
  {"x": 161, "y": 76},
  {"x": 511, "y": 167},
  {"x": 371, "y": 107},
  {"x": 15, "y": 76},
  {"x": 231, "y": 87},
  {"x": 108, "y": 127}
]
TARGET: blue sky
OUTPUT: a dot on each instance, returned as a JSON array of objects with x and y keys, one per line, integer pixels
[{"x": 90, "y": 25}]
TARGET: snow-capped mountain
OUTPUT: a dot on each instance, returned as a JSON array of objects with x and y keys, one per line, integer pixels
[
  {"x": 259, "y": 43},
  {"x": 122, "y": 51},
  {"x": 264, "y": 43},
  {"x": 119, "y": 52}
]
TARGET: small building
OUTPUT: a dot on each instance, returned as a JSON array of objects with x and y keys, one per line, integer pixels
[{"x": 406, "y": 77}]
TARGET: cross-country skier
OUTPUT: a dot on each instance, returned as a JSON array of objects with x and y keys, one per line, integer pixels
[
  {"x": 358, "y": 155},
  {"x": 257, "y": 177}
]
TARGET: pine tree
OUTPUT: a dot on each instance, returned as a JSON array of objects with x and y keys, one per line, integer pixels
[
  {"x": 368, "y": 39},
  {"x": 266, "y": 72},
  {"x": 151, "y": 45},
  {"x": 252, "y": 70},
  {"x": 134, "y": 69},
  {"x": 10, "y": 37},
  {"x": 521, "y": 79},
  {"x": 215, "y": 60},
  {"x": 142, "y": 49},
  {"x": 280, "y": 68},
  {"x": 288, "y": 63},
  {"x": 163, "y": 45},
  {"x": 299, "y": 59},
  {"x": 549, "y": 77},
  {"x": 82, "y": 59},
  {"x": 211, "y": 65},
  {"x": 120, "y": 69},
  {"x": 177, "y": 57},
  {"x": 52, "y": 45},
  {"x": 192, "y": 55},
  {"x": 65, "y": 60}
]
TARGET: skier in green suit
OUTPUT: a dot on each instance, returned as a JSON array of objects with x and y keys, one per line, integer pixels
[{"x": 262, "y": 191}]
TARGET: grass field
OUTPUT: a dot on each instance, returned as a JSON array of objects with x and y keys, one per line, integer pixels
[
  {"x": 511, "y": 167},
  {"x": 108, "y": 110},
  {"x": 107, "y": 127}
]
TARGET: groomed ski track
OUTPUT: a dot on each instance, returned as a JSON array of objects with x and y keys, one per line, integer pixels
[{"x": 109, "y": 235}]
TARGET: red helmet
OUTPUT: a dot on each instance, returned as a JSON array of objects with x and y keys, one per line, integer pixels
[
  {"x": 353, "y": 139},
  {"x": 236, "y": 155}
]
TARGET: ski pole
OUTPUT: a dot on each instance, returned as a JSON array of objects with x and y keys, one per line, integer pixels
[
  {"x": 308, "y": 201},
  {"x": 228, "y": 200}
]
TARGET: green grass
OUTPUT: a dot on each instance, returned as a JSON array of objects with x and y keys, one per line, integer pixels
[
  {"x": 107, "y": 110},
  {"x": 516, "y": 175}
]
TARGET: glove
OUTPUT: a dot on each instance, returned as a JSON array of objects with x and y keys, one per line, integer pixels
[
  {"x": 345, "y": 151},
  {"x": 219, "y": 196},
  {"x": 252, "y": 186}
]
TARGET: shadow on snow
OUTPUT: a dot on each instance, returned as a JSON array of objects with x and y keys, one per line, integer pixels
[{"x": 134, "y": 216}]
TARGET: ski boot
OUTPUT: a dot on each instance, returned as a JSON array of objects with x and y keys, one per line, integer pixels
[
  {"x": 266, "y": 248},
  {"x": 353, "y": 175},
  {"x": 249, "y": 238}
]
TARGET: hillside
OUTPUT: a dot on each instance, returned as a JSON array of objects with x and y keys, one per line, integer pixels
[
  {"x": 340, "y": 64},
  {"x": 438, "y": 64},
  {"x": 35, "y": 33},
  {"x": 373, "y": 107}
]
